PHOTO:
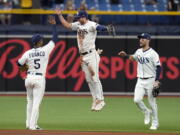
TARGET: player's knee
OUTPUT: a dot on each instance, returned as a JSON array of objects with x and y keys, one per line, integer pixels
[
  {"x": 137, "y": 100},
  {"x": 29, "y": 98},
  {"x": 88, "y": 80},
  {"x": 95, "y": 80},
  {"x": 36, "y": 108}
]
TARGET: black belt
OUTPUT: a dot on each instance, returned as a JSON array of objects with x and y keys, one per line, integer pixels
[
  {"x": 84, "y": 53},
  {"x": 145, "y": 78},
  {"x": 35, "y": 73}
]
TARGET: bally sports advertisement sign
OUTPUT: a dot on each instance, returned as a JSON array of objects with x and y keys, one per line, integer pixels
[{"x": 64, "y": 72}]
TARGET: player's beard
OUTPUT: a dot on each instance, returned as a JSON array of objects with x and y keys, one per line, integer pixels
[
  {"x": 82, "y": 22},
  {"x": 142, "y": 45}
]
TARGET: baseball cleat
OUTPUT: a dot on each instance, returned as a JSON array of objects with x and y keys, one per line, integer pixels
[
  {"x": 99, "y": 105},
  {"x": 147, "y": 118},
  {"x": 93, "y": 105},
  {"x": 154, "y": 127},
  {"x": 36, "y": 128}
]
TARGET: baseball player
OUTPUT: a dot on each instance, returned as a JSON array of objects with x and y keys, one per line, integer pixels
[
  {"x": 35, "y": 61},
  {"x": 148, "y": 73},
  {"x": 86, "y": 35}
]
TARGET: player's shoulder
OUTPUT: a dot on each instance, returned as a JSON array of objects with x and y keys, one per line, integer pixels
[
  {"x": 26, "y": 53},
  {"x": 29, "y": 51},
  {"x": 76, "y": 23},
  {"x": 139, "y": 50},
  {"x": 47, "y": 47},
  {"x": 91, "y": 22},
  {"x": 51, "y": 42},
  {"x": 153, "y": 51}
]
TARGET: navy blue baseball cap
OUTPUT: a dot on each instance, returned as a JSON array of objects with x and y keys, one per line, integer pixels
[
  {"x": 36, "y": 38},
  {"x": 145, "y": 36},
  {"x": 81, "y": 14}
]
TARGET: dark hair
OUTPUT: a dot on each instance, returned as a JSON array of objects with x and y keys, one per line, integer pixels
[{"x": 36, "y": 38}]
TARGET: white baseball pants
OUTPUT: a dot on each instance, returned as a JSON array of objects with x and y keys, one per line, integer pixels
[
  {"x": 92, "y": 60},
  {"x": 35, "y": 86},
  {"x": 145, "y": 86}
]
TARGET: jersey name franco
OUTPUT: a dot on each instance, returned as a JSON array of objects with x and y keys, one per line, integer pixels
[
  {"x": 36, "y": 54},
  {"x": 147, "y": 62},
  {"x": 37, "y": 58},
  {"x": 86, "y": 35}
]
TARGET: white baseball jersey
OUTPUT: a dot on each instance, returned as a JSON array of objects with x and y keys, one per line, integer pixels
[
  {"x": 86, "y": 35},
  {"x": 37, "y": 58},
  {"x": 147, "y": 62}
]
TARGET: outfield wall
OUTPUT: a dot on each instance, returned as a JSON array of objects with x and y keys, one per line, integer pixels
[{"x": 64, "y": 74}]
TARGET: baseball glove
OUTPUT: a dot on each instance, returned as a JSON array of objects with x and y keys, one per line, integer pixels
[
  {"x": 24, "y": 68},
  {"x": 111, "y": 30},
  {"x": 156, "y": 90}
]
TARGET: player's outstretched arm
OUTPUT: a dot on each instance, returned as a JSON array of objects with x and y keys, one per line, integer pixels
[
  {"x": 157, "y": 84},
  {"x": 125, "y": 55},
  {"x": 110, "y": 29},
  {"x": 62, "y": 20},
  {"x": 51, "y": 20}
]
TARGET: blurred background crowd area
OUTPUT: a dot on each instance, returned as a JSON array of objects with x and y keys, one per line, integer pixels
[
  {"x": 98, "y": 5},
  {"x": 105, "y": 5}
]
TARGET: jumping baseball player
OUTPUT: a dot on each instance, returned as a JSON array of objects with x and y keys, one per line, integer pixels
[
  {"x": 35, "y": 61},
  {"x": 86, "y": 35},
  {"x": 148, "y": 73}
]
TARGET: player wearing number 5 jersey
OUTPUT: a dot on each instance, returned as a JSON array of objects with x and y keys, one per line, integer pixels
[
  {"x": 37, "y": 60},
  {"x": 148, "y": 73}
]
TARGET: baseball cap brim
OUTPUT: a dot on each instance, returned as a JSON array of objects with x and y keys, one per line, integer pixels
[
  {"x": 139, "y": 36},
  {"x": 144, "y": 37}
]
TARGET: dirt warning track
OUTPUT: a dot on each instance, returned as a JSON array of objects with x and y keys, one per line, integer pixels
[{"x": 46, "y": 132}]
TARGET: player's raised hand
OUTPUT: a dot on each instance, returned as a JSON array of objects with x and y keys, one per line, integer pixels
[
  {"x": 122, "y": 54},
  {"x": 51, "y": 19},
  {"x": 58, "y": 11}
]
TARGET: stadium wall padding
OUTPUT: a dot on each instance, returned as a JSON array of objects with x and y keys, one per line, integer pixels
[{"x": 64, "y": 73}]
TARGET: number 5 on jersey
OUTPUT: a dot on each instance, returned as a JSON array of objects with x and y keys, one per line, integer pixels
[{"x": 37, "y": 63}]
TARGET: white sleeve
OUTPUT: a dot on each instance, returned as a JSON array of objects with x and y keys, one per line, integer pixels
[
  {"x": 93, "y": 27},
  {"x": 75, "y": 26},
  {"x": 49, "y": 47},
  {"x": 23, "y": 59},
  {"x": 135, "y": 55},
  {"x": 156, "y": 59}
]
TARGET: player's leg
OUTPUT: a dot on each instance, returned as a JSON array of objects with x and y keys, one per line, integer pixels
[
  {"x": 29, "y": 91},
  {"x": 38, "y": 93},
  {"x": 138, "y": 99},
  {"x": 89, "y": 82},
  {"x": 153, "y": 105},
  {"x": 94, "y": 64},
  {"x": 90, "y": 66}
]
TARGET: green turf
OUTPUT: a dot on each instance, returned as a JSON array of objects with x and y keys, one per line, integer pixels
[{"x": 73, "y": 113}]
